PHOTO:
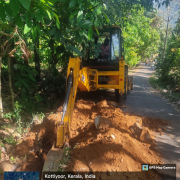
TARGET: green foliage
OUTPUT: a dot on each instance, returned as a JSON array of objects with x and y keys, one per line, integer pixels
[
  {"x": 38, "y": 97},
  {"x": 25, "y": 80},
  {"x": 19, "y": 22},
  {"x": 10, "y": 140},
  {"x": 65, "y": 160},
  {"x": 25, "y": 3},
  {"x": 2, "y": 11},
  {"x": 15, "y": 6},
  {"x": 13, "y": 160},
  {"x": 90, "y": 32},
  {"x": 41, "y": 115},
  {"x": 17, "y": 116},
  {"x": 168, "y": 68},
  {"x": 26, "y": 29},
  {"x": 140, "y": 38},
  {"x": 165, "y": 89},
  {"x": 61, "y": 28},
  {"x": 95, "y": 49},
  {"x": 8, "y": 115},
  {"x": 60, "y": 49},
  {"x": 72, "y": 3},
  {"x": 54, "y": 86}
]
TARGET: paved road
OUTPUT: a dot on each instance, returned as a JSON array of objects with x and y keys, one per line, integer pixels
[{"x": 147, "y": 102}]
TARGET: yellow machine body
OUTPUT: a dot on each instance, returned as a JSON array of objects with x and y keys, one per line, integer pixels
[{"x": 86, "y": 79}]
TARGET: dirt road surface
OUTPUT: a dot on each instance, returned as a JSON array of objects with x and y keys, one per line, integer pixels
[{"x": 144, "y": 101}]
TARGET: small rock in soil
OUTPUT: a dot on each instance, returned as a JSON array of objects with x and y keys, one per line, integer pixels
[
  {"x": 113, "y": 136},
  {"x": 4, "y": 134},
  {"x": 141, "y": 133},
  {"x": 11, "y": 129},
  {"x": 3, "y": 150},
  {"x": 112, "y": 103},
  {"x": 16, "y": 135},
  {"x": 145, "y": 135},
  {"x": 136, "y": 129},
  {"x": 7, "y": 166},
  {"x": 79, "y": 166},
  {"x": 102, "y": 104},
  {"x": 101, "y": 122}
]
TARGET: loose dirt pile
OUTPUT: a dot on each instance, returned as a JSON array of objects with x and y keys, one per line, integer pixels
[
  {"x": 113, "y": 149},
  {"x": 124, "y": 145},
  {"x": 30, "y": 153}
]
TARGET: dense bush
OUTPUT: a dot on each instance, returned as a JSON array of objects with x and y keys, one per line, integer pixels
[{"x": 54, "y": 86}]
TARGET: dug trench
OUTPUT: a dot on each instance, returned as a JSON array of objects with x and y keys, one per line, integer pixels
[{"x": 121, "y": 142}]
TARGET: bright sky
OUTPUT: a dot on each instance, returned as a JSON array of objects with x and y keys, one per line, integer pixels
[{"x": 174, "y": 10}]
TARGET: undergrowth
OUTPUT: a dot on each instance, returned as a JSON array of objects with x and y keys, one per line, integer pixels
[
  {"x": 65, "y": 160},
  {"x": 166, "y": 90}
]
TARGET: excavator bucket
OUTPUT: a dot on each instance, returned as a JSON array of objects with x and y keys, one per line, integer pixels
[{"x": 52, "y": 160}]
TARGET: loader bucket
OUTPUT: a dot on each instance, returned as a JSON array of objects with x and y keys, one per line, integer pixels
[{"x": 52, "y": 160}]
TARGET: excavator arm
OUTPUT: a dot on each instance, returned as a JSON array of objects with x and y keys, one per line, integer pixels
[
  {"x": 63, "y": 127},
  {"x": 54, "y": 156}
]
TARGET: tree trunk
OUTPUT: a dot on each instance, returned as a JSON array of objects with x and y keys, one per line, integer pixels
[
  {"x": 37, "y": 60},
  {"x": 13, "y": 60},
  {"x": 53, "y": 63},
  {"x": 10, "y": 82},
  {"x": 164, "y": 50},
  {"x": 13, "y": 64},
  {"x": 1, "y": 106}
]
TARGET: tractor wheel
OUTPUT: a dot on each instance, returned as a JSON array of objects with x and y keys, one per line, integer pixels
[
  {"x": 128, "y": 87},
  {"x": 125, "y": 95},
  {"x": 125, "y": 90},
  {"x": 119, "y": 97},
  {"x": 132, "y": 86}
]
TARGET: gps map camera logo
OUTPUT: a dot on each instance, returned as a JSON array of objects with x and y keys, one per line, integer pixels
[{"x": 144, "y": 167}]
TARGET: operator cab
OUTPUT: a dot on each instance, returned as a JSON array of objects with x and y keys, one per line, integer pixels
[{"x": 105, "y": 49}]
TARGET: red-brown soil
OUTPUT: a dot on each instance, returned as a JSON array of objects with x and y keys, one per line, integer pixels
[{"x": 114, "y": 149}]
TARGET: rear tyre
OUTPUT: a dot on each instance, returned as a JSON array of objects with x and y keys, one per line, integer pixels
[
  {"x": 126, "y": 82},
  {"x": 125, "y": 95},
  {"x": 125, "y": 90},
  {"x": 119, "y": 97},
  {"x": 131, "y": 86},
  {"x": 128, "y": 87}
]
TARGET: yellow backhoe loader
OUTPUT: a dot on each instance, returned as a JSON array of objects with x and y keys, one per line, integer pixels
[{"x": 104, "y": 71}]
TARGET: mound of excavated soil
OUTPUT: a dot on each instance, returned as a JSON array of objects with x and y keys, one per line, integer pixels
[
  {"x": 116, "y": 148},
  {"x": 32, "y": 150},
  {"x": 113, "y": 149}
]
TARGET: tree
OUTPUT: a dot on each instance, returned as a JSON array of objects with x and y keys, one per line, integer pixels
[
  {"x": 140, "y": 38},
  {"x": 56, "y": 29},
  {"x": 4, "y": 47}
]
